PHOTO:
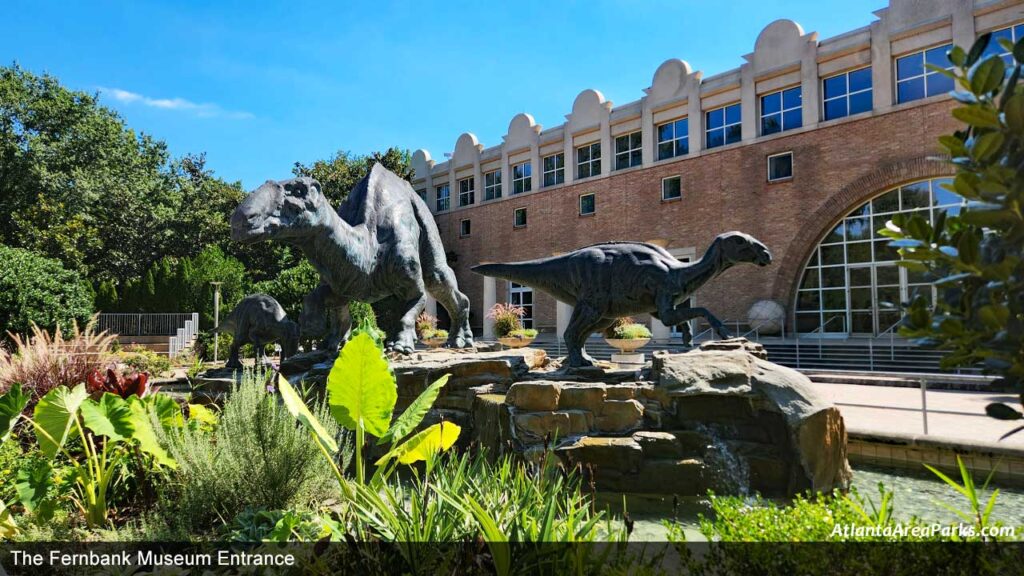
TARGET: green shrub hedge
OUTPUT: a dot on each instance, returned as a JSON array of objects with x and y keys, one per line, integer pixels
[{"x": 39, "y": 290}]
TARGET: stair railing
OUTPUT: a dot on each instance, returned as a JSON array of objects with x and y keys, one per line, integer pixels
[{"x": 820, "y": 331}]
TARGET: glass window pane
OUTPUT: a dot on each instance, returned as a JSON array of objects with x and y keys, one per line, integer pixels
[
  {"x": 937, "y": 56},
  {"x": 834, "y": 322},
  {"x": 939, "y": 84},
  {"x": 732, "y": 114},
  {"x": 909, "y": 66},
  {"x": 665, "y": 132},
  {"x": 994, "y": 47},
  {"x": 832, "y": 255},
  {"x": 583, "y": 154},
  {"x": 682, "y": 128},
  {"x": 884, "y": 252},
  {"x": 732, "y": 133},
  {"x": 860, "y": 299},
  {"x": 857, "y": 228},
  {"x": 888, "y": 275},
  {"x": 665, "y": 150},
  {"x": 858, "y": 252},
  {"x": 879, "y": 222},
  {"x": 808, "y": 300},
  {"x": 833, "y": 277},
  {"x": 835, "y": 86},
  {"x": 715, "y": 138},
  {"x": 889, "y": 297},
  {"x": 860, "y": 79},
  {"x": 835, "y": 108},
  {"x": 771, "y": 103},
  {"x": 771, "y": 124},
  {"x": 792, "y": 119},
  {"x": 862, "y": 323},
  {"x": 792, "y": 98},
  {"x": 810, "y": 279},
  {"x": 682, "y": 147},
  {"x": 833, "y": 300},
  {"x": 860, "y": 276},
  {"x": 910, "y": 90},
  {"x": 860, "y": 102},
  {"x": 622, "y": 143},
  {"x": 715, "y": 118},
  {"x": 836, "y": 235},
  {"x": 915, "y": 196},
  {"x": 888, "y": 202},
  {"x": 808, "y": 322},
  {"x": 943, "y": 197}
]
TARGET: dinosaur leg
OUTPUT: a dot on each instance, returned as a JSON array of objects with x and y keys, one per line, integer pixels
[
  {"x": 581, "y": 324},
  {"x": 233, "y": 360},
  {"x": 404, "y": 342},
  {"x": 684, "y": 313},
  {"x": 339, "y": 327},
  {"x": 442, "y": 286}
]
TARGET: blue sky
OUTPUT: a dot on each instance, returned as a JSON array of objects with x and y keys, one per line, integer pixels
[{"x": 259, "y": 85}]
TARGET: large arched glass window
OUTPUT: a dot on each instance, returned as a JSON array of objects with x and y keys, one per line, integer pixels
[{"x": 851, "y": 284}]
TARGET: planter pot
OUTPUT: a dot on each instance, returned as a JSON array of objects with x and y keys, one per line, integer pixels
[
  {"x": 515, "y": 342},
  {"x": 627, "y": 346},
  {"x": 434, "y": 342}
]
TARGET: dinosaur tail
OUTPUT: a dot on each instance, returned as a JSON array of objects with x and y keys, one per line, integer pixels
[{"x": 526, "y": 273}]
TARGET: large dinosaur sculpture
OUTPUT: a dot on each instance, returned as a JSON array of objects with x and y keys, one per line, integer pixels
[
  {"x": 381, "y": 246},
  {"x": 608, "y": 281},
  {"x": 259, "y": 320}
]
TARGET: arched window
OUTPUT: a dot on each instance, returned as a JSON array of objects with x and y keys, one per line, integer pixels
[{"x": 851, "y": 284}]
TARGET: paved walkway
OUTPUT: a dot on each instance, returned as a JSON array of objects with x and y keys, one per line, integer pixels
[{"x": 951, "y": 413}]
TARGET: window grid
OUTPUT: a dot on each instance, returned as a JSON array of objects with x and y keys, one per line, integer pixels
[
  {"x": 846, "y": 94},
  {"x": 554, "y": 169},
  {"x": 520, "y": 295},
  {"x": 492, "y": 185},
  {"x": 443, "y": 198},
  {"x": 723, "y": 126},
  {"x": 628, "y": 150},
  {"x": 852, "y": 274},
  {"x": 671, "y": 188},
  {"x": 588, "y": 160},
  {"x": 465, "y": 227},
  {"x": 588, "y": 204},
  {"x": 519, "y": 218},
  {"x": 674, "y": 138},
  {"x": 1011, "y": 33},
  {"x": 914, "y": 80},
  {"x": 522, "y": 178},
  {"x": 781, "y": 111},
  {"x": 467, "y": 195}
]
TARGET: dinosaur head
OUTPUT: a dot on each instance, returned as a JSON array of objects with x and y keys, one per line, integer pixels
[
  {"x": 737, "y": 247},
  {"x": 290, "y": 339},
  {"x": 280, "y": 211}
]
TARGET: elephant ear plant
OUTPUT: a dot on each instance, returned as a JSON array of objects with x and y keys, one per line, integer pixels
[
  {"x": 362, "y": 393},
  {"x": 11, "y": 405},
  {"x": 976, "y": 258}
]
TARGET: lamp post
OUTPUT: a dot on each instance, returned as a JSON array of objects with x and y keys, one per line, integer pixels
[{"x": 216, "y": 318}]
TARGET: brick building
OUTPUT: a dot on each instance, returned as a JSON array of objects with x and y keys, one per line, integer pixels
[{"x": 810, "y": 146}]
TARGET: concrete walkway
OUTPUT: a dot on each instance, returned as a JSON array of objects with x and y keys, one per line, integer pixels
[{"x": 951, "y": 413}]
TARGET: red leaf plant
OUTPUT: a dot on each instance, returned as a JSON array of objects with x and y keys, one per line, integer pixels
[{"x": 124, "y": 385}]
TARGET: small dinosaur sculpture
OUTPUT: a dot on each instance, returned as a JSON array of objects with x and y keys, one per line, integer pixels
[
  {"x": 608, "y": 281},
  {"x": 381, "y": 246},
  {"x": 259, "y": 320}
]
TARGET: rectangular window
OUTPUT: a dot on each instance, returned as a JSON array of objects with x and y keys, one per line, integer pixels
[
  {"x": 522, "y": 178},
  {"x": 554, "y": 169},
  {"x": 780, "y": 167},
  {"x": 674, "y": 138},
  {"x": 914, "y": 80},
  {"x": 781, "y": 111},
  {"x": 519, "y": 218},
  {"x": 846, "y": 94},
  {"x": 464, "y": 228},
  {"x": 671, "y": 188},
  {"x": 628, "y": 151},
  {"x": 588, "y": 204},
  {"x": 588, "y": 160},
  {"x": 492, "y": 185},
  {"x": 520, "y": 295},
  {"x": 443, "y": 200},
  {"x": 1011, "y": 33},
  {"x": 467, "y": 195},
  {"x": 723, "y": 126},
  {"x": 422, "y": 193}
]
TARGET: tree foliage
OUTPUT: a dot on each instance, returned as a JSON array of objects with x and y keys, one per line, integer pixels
[
  {"x": 338, "y": 174},
  {"x": 976, "y": 258},
  {"x": 38, "y": 290}
]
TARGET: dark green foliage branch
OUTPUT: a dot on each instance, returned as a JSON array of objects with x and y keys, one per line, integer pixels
[
  {"x": 38, "y": 290},
  {"x": 338, "y": 174},
  {"x": 976, "y": 258}
]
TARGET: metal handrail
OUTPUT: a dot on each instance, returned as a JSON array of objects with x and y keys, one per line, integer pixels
[
  {"x": 820, "y": 331},
  {"x": 891, "y": 330}
]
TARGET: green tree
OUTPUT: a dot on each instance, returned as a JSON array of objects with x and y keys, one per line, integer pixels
[
  {"x": 212, "y": 265},
  {"x": 338, "y": 174},
  {"x": 106, "y": 297},
  {"x": 976, "y": 258},
  {"x": 39, "y": 290},
  {"x": 290, "y": 287}
]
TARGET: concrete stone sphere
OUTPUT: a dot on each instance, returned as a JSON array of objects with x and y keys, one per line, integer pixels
[{"x": 767, "y": 316}]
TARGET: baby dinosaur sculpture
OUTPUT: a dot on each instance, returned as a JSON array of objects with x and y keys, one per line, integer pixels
[
  {"x": 608, "y": 281},
  {"x": 259, "y": 320},
  {"x": 381, "y": 246}
]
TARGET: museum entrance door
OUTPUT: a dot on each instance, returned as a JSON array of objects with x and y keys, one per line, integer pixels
[{"x": 875, "y": 293}]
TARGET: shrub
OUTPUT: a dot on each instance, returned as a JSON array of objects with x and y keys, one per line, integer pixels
[
  {"x": 42, "y": 362},
  {"x": 627, "y": 329},
  {"x": 142, "y": 359},
  {"x": 255, "y": 458},
  {"x": 35, "y": 290},
  {"x": 290, "y": 287},
  {"x": 507, "y": 318},
  {"x": 522, "y": 333}
]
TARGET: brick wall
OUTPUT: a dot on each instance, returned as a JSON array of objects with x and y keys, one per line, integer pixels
[{"x": 836, "y": 167}]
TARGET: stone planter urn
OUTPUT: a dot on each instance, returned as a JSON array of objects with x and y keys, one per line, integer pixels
[
  {"x": 513, "y": 342},
  {"x": 627, "y": 348}
]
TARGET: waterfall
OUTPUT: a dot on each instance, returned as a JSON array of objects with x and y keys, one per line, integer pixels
[{"x": 730, "y": 472}]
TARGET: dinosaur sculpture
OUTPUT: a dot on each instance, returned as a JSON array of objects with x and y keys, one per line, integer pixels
[
  {"x": 608, "y": 281},
  {"x": 259, "y": 320},
  {"x": 381, "y": 246}
]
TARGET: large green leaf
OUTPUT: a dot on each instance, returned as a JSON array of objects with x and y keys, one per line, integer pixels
[
  {"x": 55, "y": 417},
  {"x": 413, "y": 415},
  {"x": 300, "y": 411},
  {"x": 32, "y": 484},
  {"x": 11, "y": 405},
  {"x": 423, "y": 445},
  {"x": 110, "y": 416},
  {"x": 167, "y": 410},
  {"x": 8, "y": 527},
  {"x": 360, "y": 388},
  {"x": 142, "y": 423}
]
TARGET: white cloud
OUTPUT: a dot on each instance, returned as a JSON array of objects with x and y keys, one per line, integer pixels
[{"x": 202, "y": 110}]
